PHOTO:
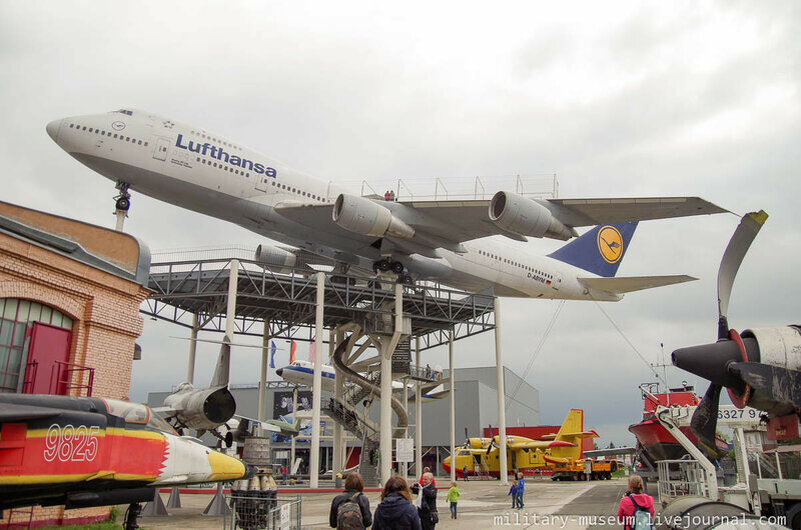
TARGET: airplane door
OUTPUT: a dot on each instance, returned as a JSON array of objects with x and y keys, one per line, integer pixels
[
  {"x": 557, "y": 281},
  {"x": 262, "y": 182},
  {"x": 162, "y": 145}
]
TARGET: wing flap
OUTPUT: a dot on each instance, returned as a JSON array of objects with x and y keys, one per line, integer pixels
[{"x": 621, "y": 285}]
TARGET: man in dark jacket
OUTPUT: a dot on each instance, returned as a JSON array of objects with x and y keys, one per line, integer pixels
[
  {"x": 354, "y": 486},
  {"x": 427, "y": 509}
]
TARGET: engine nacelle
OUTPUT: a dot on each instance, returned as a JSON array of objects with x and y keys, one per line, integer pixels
[
  {"x": 519, "y": 215},
  {"x": 201, "y": 409},
  {"x": 277, "y": 257},
  {"x": 368, "y": 218},
  {"x": 774, "y": 354}
]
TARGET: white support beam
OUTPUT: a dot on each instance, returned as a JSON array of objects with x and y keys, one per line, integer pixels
[
  {"x": 190, "y": 370},
  {"x": 385, "y": 445},
  {"x": 265, "y": 347},
  {"x": 317, "y": 386},
  {"x": 296, "y": 423},
  {"x": 501, "y": 396},
  {"x": 451, "y": 399},
  {"x": 339, "y": 390},
  {"x": 418, "y": 414},
  {"x": 404, "y": 466}
]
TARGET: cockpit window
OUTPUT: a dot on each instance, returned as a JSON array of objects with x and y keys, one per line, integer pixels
[
  {"x": 130, "y": 412},
  {"x": 157, "y": 423},
  {"x": 138, "y": 413},
  {"x": 124, "y": 111}
]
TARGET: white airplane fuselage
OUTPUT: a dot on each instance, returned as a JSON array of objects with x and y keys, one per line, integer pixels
[
  {"x": 189, "y": 167},
  {"x": 302, "y": 373}
]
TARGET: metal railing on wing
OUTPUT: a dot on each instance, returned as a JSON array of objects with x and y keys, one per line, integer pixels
[{"x": 533, "y": 185}]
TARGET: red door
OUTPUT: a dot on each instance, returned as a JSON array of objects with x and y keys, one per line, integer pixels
[{"x": 48, "y": 345}]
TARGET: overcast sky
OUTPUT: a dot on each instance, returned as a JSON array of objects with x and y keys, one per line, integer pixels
[{"x": 616, "y": 98}]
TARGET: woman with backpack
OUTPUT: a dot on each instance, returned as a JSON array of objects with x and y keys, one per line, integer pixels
[
  {"x": 636, "y": 508},
  {"x": 396, "y": 511},
  {"x": 351, "y": 509}
]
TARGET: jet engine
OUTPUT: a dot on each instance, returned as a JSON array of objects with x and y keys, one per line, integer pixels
[
  {"x": 368, "y": 218},
  {"x": 519, "y": 215},
  {"x": 201, "y": 409},
  {"x": 272, "y": 255}
]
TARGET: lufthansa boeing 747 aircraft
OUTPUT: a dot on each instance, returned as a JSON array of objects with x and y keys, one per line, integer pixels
[{"x": 454, "y": 242}]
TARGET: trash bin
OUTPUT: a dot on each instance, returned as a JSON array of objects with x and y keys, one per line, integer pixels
[{"x": 338, "y": 481}]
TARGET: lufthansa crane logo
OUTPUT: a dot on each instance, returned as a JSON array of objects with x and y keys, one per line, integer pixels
[{"x": 610, "y": 244}]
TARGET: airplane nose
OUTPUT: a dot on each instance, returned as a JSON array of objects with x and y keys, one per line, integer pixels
[
  {"x": 250, "y": 471},
  {"x": 52, "y": 129},
  {"x": 279, "y": 372}
]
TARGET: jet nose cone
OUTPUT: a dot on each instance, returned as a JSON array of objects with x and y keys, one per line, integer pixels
[
  {"x": 250, "y": 471},
  {"x": 52, "y": 129},
  {"x": 279, "y": 372}
]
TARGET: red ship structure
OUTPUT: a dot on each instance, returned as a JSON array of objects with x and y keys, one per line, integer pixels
[{"x": 654, "y": 442}]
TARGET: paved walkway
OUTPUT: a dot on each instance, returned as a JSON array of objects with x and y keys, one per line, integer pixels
[{"x": 548, "y": 504}]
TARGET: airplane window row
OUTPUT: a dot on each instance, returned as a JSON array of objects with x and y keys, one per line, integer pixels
[
  {"x": 218, "y": 140},
  {"x": 223, "y": 167},
  {"x": 109, "y": 134},
  {"x": 516, "y": 264},
  {"x": 299, "y": 192}
]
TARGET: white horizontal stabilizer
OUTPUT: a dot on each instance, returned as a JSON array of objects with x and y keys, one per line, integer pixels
[{"x": 633, "y": 283}]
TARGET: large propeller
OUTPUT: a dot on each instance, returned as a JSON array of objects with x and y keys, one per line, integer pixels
[{"x": 711, "y": 361}]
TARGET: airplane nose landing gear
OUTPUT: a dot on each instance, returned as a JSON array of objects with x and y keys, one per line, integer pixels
[{"x": 122, "y": 203}]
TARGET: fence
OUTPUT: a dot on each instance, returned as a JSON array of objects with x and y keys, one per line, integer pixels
[
  {"x": 252, "y": 510},
  {"x": 678, "y": 478}
]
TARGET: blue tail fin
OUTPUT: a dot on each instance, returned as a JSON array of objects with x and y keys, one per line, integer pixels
[{"x": 600, "y": 250}]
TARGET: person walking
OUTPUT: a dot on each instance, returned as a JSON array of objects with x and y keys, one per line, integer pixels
[
  {"x": 392, "y": 195},
  {"x": 636, "y": 508},
  {"x": 520, "y": 489},
  {"x": 427, "y": 502},
  {"x": 464, "y": 473},
  {"x": 396, "y": 511},
  {"x": 386, "y": 195},
  {"x": 453, "y": 498},
  {"x": 351, "y": 508}
]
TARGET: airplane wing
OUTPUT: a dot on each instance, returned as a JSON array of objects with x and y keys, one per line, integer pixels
[
  {"x": 538, "y": 444},
  {"x": 620, "y": 285},
  {"x": 447, "y": 224}
]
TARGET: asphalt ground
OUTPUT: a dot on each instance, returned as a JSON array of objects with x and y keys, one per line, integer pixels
[{"x": 483, "y": 504}]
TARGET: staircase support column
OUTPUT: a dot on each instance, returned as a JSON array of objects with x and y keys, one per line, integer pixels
[{"x": 339, "y": 388}]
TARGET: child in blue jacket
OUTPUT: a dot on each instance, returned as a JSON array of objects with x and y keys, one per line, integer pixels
[{"x": 513, "y": 493}]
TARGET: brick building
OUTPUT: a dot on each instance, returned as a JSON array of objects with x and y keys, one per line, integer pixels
[{"x": 69, "y": 315}]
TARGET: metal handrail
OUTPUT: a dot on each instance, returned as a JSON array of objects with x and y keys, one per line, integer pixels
[{"x": 63, "y": 375}]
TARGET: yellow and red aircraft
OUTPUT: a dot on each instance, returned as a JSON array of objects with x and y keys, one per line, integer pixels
[
  {"x": 482, "y": 455},
  {"x": 87, "y": 451}
]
